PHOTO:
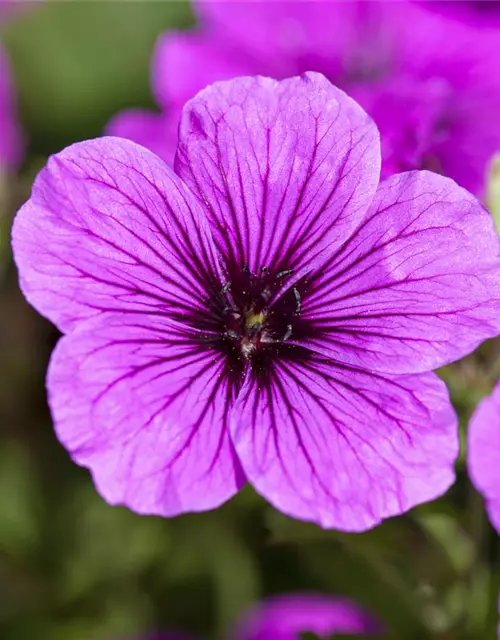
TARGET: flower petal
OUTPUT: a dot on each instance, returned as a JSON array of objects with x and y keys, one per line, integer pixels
[
  {"x": 109, "y": 227},
  {"x": 286, "y": 169},
  {"x": 151, "y": 130},
  {"x": 143, "y": 404},
  {"x": 416, "y": 286},
  {"x": 285, "y": 617},
  {"x": 409, "y": 115},
  {"x": 10, "y": 135},
  {"x": 287, "y": 38},
  {"x": 342, "y": 447},
  {"x": 462, "y": 59},
  {"x": 483, "y": 453},
  {"x": 185, "y": 63}
]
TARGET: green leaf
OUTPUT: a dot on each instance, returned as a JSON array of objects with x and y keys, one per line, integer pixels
[
  {"x": 18, "y": 499},
  {"x": 108, "y": 544},
  {"x": 453, "y": 540}
]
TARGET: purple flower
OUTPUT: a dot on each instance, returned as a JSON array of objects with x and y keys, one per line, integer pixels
[
  {"x": 10, "y": 136},
  {"x": 483, "y": 451},
  {"x": 485, "y": 13},
  {"x": 162, "y": 635},
  {"x": 9, "y": 7},
  {"x": 483, "y": 455},
  {"x": 429, "y": 82},
  {"x": 267, "y": 312},
  {"x": 285, "y": 617}
]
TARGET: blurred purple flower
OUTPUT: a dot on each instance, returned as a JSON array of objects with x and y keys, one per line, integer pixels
[
  {"x": 484, "y": 453},
  {"x": 285, "y": 617},
  {"x": 9, "y": 8},
  {"x": 429, "y": 82},
  {"x": 10, "y": 136},
  {"x": 267, "y": 312},
  {"x": 484, "y": 13},
  {"x": 11, "y": 140}
]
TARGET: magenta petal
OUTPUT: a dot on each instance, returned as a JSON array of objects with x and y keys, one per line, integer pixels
[
  {"x": 109, "y": 227},
  {"x": 409, "y": 116},
  {"x": 416, "y": 286},
  {"x": 463, "y": 60},
  {"x": 285, "y": 617},
  {"x": 151, "y": 130},
  {"x": 10, "y": 135},
  {"x": 143, "y": 404},
  {"x": 483, "y": 453},
  {"x": 286, "y": 169},
  {"x": 10, "y": 8},
  {"x": 286, "y": 38},
  {"x": 185, "y": 63},
  {"x": 342, "y": 447}
]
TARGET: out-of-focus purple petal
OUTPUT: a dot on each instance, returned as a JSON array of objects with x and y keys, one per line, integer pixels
[
  {"x": 10, "y": 8},
  {"x": 408, "y": 115},
  {"x": 144, "y": 405},
  {"x": 286, "y": 169},
  {"x": 109, "y": 227},
  {"x": 11, "y": 145},
  {"x": 416, "y": 286},
  {"x": 185, "y": 63},
  {"x": 342, "y": 447},
  {"x": 160, "y": 635},
  {"x": 428, "y": 80},
  {"x": 151, "y": 130},
  {"x": 483, "y": 453},
  {"x": 289, "y": 38},
  {"x": 461, "y": 58},
  {"x": 482, "y": 13},
  {"x": 285, "y": 617}
]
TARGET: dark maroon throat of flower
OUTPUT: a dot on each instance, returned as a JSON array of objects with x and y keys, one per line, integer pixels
[{"x": 254, "y": 320}]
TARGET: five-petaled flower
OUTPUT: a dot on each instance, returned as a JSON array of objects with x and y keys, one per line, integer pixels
[
  {"x": 428, "y": 80},
  {"x": 268, "y": 312}
]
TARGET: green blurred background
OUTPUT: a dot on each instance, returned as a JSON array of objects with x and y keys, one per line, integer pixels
[{"x": 73, "y": 568}]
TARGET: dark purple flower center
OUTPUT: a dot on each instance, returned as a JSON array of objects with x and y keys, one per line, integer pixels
[{"x": 255, "y": 319}]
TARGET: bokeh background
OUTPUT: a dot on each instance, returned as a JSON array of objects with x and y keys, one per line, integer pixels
[{"x": 73, "y": 568}]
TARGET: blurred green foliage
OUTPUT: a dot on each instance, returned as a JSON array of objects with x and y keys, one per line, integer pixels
[{"x": 73, "y": 568}]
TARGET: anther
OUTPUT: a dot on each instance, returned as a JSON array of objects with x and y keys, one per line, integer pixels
[
  {"x": 298, "y": 300},
  {"x": 246, "y": 270},
  {"x": 288, "y": 332},
  {"x": 284, "y": 273},
  {"x": 267, "y": 294},
  {"x": 264, "y": 270},
  {"x": 226, "y": 287}
]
